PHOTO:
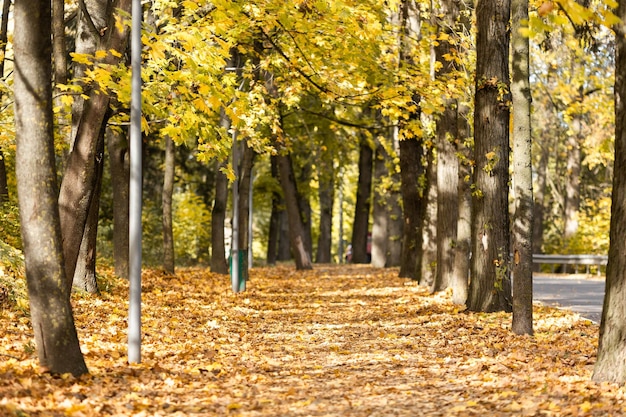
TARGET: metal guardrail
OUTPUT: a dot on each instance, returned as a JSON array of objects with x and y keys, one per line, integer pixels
[{"x": 577, "y": 260}]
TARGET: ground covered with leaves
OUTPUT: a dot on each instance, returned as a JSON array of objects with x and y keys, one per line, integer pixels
[{"x": 335, "y": 341}]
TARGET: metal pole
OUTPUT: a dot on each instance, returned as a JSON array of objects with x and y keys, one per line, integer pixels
[{"x": 134, "y": 306}]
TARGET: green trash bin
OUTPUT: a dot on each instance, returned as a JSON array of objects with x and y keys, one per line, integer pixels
[{"x": 242, "y": 275}]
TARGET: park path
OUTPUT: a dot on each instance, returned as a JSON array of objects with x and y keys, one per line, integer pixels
[{"x": 335, "y": 341}]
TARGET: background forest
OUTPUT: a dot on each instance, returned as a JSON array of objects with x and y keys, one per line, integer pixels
[{"x": 340, "y": 91}]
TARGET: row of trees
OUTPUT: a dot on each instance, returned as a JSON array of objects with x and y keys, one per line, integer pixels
[{"x": 301, "y": 87}]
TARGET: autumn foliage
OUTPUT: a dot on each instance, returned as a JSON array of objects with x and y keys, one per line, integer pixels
[{"x": 339, "y": 340}]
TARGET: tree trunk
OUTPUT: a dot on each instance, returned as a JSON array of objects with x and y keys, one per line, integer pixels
[
  {"x": 51, "y": 315},
  {"x": 274, "y": 226},
  {"x": 447, "y": 137},
  {"x": 571, "y": 204},
  {"x": 539, "y": 195},
  {"x": 218, "y": 212},
  {"x": 296, "y": 232},
  {"x": 414, "y": 205},
  {"x": 611, "y": 363},
  {"x": 218, "y": 220},
  {"x": 245, "y": 183},
  {"x": 79, "y": 182},
  {"x": 460, "y": 273},
  {"x": 490, "y": 281},
  {"x": 380, "y": 215},
  {"x": 59, "y": 50},
  {"x": 119, "y": 166},
  {"x": 522, "y": 174},
  {"x": 396, "y": 220},
  {"x": 85, "y": 273},
  {"x": 447, "y": 198},
  {"x": 326, "y": 197},
  {"x": 169, "y": 264},
  {"x": 305, "y": 205},
  {"x": 360, "y": 227},
  {"x": 427, "y": 253},
  {"x": 6, "y": 5},
  {"x": 284, "y": 244}
]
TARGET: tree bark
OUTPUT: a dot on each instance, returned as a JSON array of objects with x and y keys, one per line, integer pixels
[
  {"x": 6, "y": 6},
  {"x": 360, "y": 227},
  {"x": 79, "y": 182},
  {"x": 611, "y": 363},
  {"x": 490, "y": 267},
  {"x": 51, "y": 315},
  {"x": 427, "y": 253},
  {"x": 326, "y": 197},
  {"x": 304, "y": 179},
  {"x": 447, "y": 138},
  {"x": 245, "y": 183},
  {"x": 274, "y": 226},
  {"x": 414, "y": 205},
  {"x": 296, "y": 232},
  {"x": 85, "y": 273},
  {"x": 522, "y": 174},
  {"x": 539, "y": 196},
  {"x": 169, "y": 256},
  {"x": 119, "y": 166},
  {"x": 380, "y": 215},
  {"x": 218, "y": 220},
  {"x": 460, "y": 273}
]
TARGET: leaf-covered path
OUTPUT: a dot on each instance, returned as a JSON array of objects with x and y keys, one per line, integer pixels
[{"x": 335, "y": 341}]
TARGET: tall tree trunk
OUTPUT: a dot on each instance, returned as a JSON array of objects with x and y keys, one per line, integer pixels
[
  {"x": 571, "y": 204},
  {"x": 218, "y": 212},
  {"x": 414, "y": 205},
  {"x": 460, "y": 273},
  {"x": 4, "y": 185},
  {"x": 6, "y": 5},
  {"x": 396, "y": 220},
  {"x": 119, "y": 166},
  {"x": 522, "y": 174},
  {"x": 380, "y": 224},
  {"x": 296, "y": 232},
  {"x": 326, "y": 197},
  {"x": 245, "y": 184},
  {"x": 85, "y": 273},
  {"x": 427, "y": 253},
  {"x": 284, "y": 244},
  {"x": 490, "y": 288},
  {"x": 611, "y": 363},
  {"x": 539, "y": 195},
  {"x": 305, "y": 205},
  {"x": 51, "y": 315},
  {"x": 360, "y": 227},
  {"x": 447, "y": 137},
  {"x": 79, "y": 182},
  {"x": 274, "y": 226},
  {"x": 169, "y": 264}
]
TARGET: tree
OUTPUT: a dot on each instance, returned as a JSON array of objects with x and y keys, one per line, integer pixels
[
  {"x": 6, "y": 6},
  {"x": 447, "y": 138},
  {"x": 57, "y": 343},
  {"x": 489, "y": 281},
  {"x": 611, "y": 362},
  {"x": 79, "y": 180},
  {"x": 360, "y": 228},
  {"x": 296, "y": 229},
  {"x": 119, "y": 167},
  {"x": 168, "y": 189},
  {"x": 522, "y": 267}
]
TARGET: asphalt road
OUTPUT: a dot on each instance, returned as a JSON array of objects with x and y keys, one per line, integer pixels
[{"x": 575, "y": 292}]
